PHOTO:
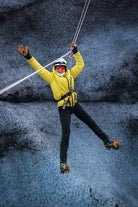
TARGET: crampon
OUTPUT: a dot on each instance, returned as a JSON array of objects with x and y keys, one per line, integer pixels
[
  {"x": 113, "y": 145},
  {"x": 64, "y": 168}
]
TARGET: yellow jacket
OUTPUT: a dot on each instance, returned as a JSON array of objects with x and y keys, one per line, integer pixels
[{"x": 60, "y": 85}]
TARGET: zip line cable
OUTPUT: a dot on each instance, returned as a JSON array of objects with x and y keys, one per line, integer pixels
[{"x": 83, "y": 14}]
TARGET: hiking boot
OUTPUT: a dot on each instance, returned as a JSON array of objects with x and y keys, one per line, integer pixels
[
  {"x": 64, "y": 167},
  {"x": 112, "y": 144}
]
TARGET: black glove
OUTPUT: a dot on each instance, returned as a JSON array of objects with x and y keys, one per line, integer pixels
[
  {"x": 24, "y": 51},
  {"x": 74, "y": 48}
]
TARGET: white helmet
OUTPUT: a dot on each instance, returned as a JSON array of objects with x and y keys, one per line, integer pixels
[{"x": 61, "y": 61}]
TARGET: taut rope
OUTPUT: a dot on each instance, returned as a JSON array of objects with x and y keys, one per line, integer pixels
[{"x": 83, "y": 14}]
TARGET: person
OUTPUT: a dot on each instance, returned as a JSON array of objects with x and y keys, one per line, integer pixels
[{"x": 61, "y": 80}]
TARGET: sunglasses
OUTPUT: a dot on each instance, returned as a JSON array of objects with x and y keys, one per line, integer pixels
[{"x": 57, "y": 67}]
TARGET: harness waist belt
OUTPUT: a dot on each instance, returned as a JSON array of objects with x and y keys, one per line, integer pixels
[{"x": 66, "y": 95}]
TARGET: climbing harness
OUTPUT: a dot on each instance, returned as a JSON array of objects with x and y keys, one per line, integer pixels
[
  {"x": 69, "y": 54},
  {"x": 67, "y": 101}
]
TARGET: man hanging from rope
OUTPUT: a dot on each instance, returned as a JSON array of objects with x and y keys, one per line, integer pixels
[{"x": 61, "y": 81}]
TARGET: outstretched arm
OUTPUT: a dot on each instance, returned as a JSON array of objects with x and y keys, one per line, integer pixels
[
  {"x": 76, "y": 70},
  {"x": 44, "y": 73}
]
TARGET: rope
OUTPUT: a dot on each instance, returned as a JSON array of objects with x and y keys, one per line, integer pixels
[
  {"x": 83, "y": 14},
  {"x": 81, "y": 20},
  {"x": 70, "y": 65},
  {"x": 25, "y": 78}
]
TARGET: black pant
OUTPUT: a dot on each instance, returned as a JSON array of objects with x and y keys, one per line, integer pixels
[{"x": 65, "y": 118}]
